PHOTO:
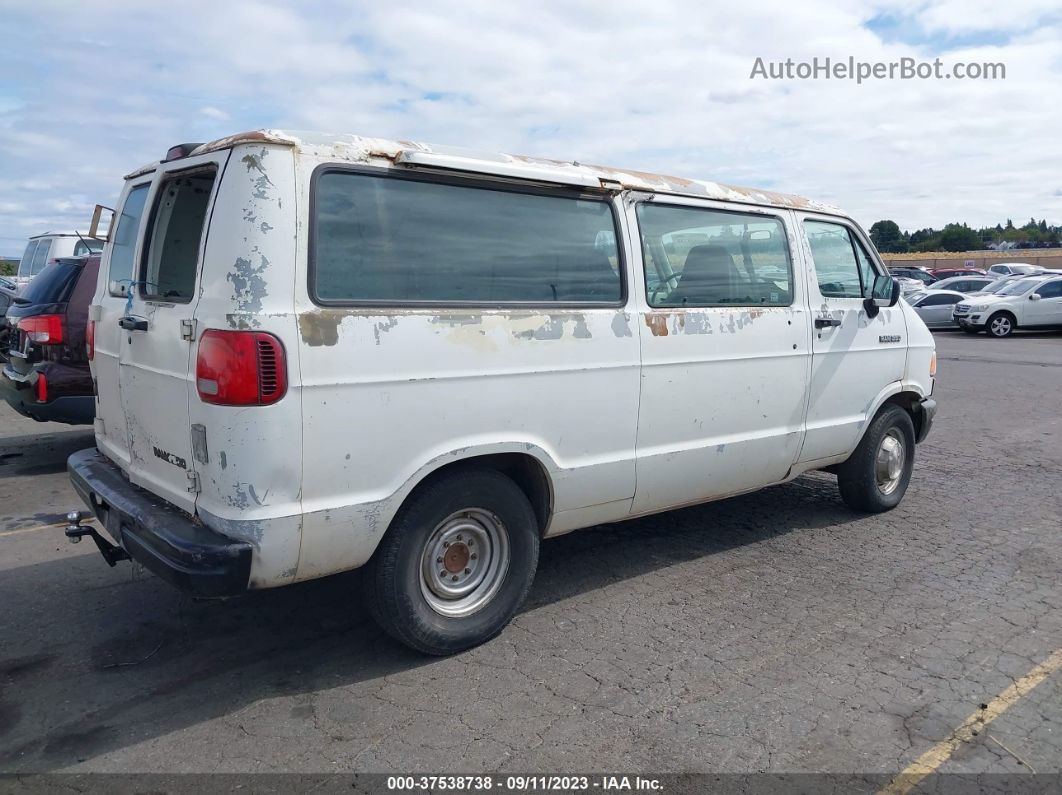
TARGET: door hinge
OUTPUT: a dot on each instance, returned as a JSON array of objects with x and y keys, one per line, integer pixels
[
  {"x": 193, "y": 482},
  {"x": 188, "y": 328}
]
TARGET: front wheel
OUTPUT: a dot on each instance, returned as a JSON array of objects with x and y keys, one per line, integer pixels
[
  {"x": 1001, "y": 325},
  {"x": 875, "y": 477},
  {"x": 456, "y": 563}
]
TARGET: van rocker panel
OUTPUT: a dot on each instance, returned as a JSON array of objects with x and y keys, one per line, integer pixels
[{"x": 156, "y": 534}]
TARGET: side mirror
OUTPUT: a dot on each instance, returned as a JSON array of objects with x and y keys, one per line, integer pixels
[
  {"x": 94, "y": 227},
  {"x": 1034, "y": 297},
  {"x": 884, "y": 292}
]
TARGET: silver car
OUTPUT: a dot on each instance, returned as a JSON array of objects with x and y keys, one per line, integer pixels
[
  {"x": 935, "y": 307},
  {"x": 964, "y": 284}
]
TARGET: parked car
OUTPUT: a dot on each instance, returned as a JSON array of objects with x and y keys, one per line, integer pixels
[
  {"x": 8, "y": 291},
  {"x": 354, "y": 352},
  {"x": 963, "y": 284},
  {"x": 908, "y": 286},
  {"x": 1031, "y": 302},
  {"x": 49, "y": 247},
  {"x": 921, "y": 274},
  {"x": 947, "y": 273},
  {"x": 935, "y": 307},
  {"x": 1015, "y": 269},
  {"x": 45, "y": 372}
]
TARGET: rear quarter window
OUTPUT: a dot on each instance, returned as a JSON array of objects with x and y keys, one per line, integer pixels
[{"x": 392, "y": 240}]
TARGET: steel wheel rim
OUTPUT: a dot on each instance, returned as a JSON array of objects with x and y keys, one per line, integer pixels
[
  {"x": 889, "y": 461},
  {"x": 1000, "y": 326},
  {"x": 464, "y": 562}
]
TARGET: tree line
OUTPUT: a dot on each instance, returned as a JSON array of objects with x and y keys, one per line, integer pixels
[{"x": 887, "y": 236}]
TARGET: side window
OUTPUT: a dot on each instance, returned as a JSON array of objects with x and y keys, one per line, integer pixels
[
  {"x": 842, "y": 265},
  {"x": 940, "y": 300},
  {"x": 171, "y": 260},
  {"x": 1050, "y": 290},
  {"x": 40, "y": 256},
  {"x": 123, "y": 242},
  {"x": 392, "y": 240},
  {"x": 26, "y": 263},
  {"x": 702, "y": 257}
]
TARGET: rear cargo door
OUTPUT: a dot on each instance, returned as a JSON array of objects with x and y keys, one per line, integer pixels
[{"x": 157, "y": 327}]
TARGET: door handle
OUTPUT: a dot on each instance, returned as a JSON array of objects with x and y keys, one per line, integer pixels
[
  {"x": 826, "y": 322},
  {"x": 130, "y": 323}
]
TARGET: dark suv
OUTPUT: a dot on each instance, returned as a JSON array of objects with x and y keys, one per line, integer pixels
[{"x": 45, "y": 364}]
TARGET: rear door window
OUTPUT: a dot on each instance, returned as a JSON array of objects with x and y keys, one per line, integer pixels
[
  {"x": 171, "y": 260},
  {"x": 383, "y": 239},
  {"x": 123, "y": 243}
]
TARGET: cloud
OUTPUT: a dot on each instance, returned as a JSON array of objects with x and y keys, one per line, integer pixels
[
  {"x": 662, "y": 86},
  {"x": 214, "y": 113}
]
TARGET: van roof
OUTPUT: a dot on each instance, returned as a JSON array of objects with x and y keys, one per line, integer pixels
[
  {"x": 71, "y": 233},
  {"x": 347, "y": 147}
]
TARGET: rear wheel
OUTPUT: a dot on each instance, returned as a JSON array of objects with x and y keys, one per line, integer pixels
[
  {"x": 456, "y": 563},
  {"x": 875, "y": 477},
  {"x": 1001, "y": 324}
]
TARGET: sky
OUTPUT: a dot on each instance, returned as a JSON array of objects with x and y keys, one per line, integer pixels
[{"x": 91, "y": 90}]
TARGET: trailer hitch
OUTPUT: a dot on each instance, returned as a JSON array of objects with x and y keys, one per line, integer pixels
[{"x": 75, "y": 530}]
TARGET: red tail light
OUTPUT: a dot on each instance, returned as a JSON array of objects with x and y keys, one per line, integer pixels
[
  {"x": 43, "y": 329},
  {"x": 90, "y": 339},
  {"x": 42, "y": 388},
  {"x": 240, "y": 368}
]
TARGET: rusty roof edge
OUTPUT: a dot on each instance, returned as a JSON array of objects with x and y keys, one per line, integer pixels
[{"x": 322, "y": 144}]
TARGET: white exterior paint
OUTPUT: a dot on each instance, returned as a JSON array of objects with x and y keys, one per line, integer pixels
[{"x": 622, "y": 418}]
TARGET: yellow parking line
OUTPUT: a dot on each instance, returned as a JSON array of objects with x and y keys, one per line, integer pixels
[
  {"x": 942, "y": 751},
  {"x": 21, "y": 530}
]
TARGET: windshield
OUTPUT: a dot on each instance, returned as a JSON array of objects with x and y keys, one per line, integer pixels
[
  {"x": 1019, "y": 287},
  {"x": 87, "y": 246},
  {"x": 995, "y": 286}
]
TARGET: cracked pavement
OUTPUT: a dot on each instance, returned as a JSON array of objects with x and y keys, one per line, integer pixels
[{"x": 777, "y": 631}]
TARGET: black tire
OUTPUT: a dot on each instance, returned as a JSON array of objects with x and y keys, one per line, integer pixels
[
  {"x": 1002, "y": 329},
  {"x": 857, "y": 477},
  {"x": 395, "y": 586}
]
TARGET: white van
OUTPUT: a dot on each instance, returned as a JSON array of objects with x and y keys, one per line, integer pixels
[
  {"x": 319, "y": 352},
  {"x": 49, "y": 247}
]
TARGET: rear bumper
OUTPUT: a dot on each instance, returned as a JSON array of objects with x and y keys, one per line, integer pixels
[
  {"x": 165, "y": 539},
  {"x": 928, "y": 408},
  {"x": 19, "y": 391}
]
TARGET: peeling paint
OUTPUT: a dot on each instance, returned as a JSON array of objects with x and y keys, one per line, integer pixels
[
  {"x": 621, "y": 324},
  {"x": 249, "y": 288},
  {"x": 383, "y": 326}
]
